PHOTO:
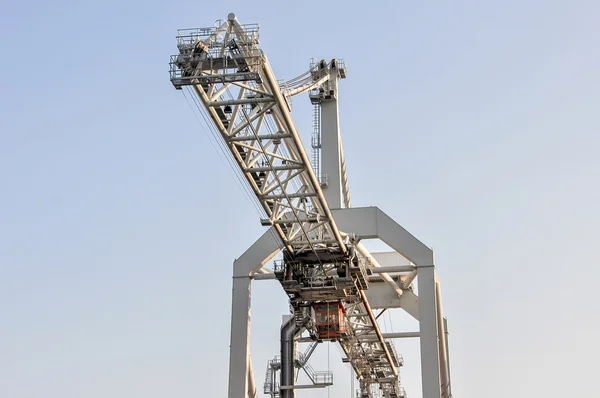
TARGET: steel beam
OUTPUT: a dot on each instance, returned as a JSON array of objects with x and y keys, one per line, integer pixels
[
  {"x": 240, "y": 101},
  {"x": 400, "y": 268},
  {"x": 372, "y": 223},
  {"x": 428, "y": 328},
  {"x": 251, "y": 261},
  {"x": 381, "y": 296},
  {"x": 239, "y": 348},
  {"x": 448, "y": 357},
  {"x": 443, "y": 349},
  {"x": 330, "y": 147},
  {"x": 401, "y": 335}
]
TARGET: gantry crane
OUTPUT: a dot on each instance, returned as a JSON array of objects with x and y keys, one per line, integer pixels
[{"x": 333, "y": 283}]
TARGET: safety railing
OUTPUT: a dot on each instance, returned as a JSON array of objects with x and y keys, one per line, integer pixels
[
  {"x": 323, "y": 378},
  {"x": 186, "y": 36}
]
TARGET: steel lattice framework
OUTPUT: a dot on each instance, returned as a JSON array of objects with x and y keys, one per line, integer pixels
[
  {"x": 235, "y": 83},
  {"x": 233, "y": 79}
]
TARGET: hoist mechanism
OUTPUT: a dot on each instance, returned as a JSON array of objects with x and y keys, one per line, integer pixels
[{"x": 323, "y": 271}]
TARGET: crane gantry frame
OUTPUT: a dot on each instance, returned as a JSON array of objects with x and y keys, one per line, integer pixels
[{"x": 323, "y": 259}]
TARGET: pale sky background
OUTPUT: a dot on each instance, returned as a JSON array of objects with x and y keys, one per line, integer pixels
[{"x": 473, "y": 123}]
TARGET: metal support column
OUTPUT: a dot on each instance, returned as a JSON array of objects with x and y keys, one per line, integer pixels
[
  {"x": 240, "y": 337},
  {"x": 428, "y": 330},
  {"x": 239, "y": 349},
  {"x": 448, "y": 357},
  {"x": 330, "y": 146},
  {"x": 444, "y": 373}
]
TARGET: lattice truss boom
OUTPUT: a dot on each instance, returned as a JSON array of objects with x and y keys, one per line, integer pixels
[
  {"x": 232, "y": 78},
  {"x": 234, "y": 81},
  {"x": 374, "y": 360}
]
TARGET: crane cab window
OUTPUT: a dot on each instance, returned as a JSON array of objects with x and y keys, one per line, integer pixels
[{"x": 330, "y": 320}]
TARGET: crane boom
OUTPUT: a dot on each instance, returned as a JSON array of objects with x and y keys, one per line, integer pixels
[{"x": 232, "y": 78}]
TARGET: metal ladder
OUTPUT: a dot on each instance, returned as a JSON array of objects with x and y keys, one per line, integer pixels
[
  {"x": 316, "y": 141},
  {"x": 271, "y": 387}
]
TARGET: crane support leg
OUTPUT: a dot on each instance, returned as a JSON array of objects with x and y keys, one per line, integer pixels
[
  {"x": 428, "y": 329},
  {"x": 252, "y": 260},
  {"x": 240, "y": 338},
  {"x": 447, "y": 358},
  {"x": 251, "y": 382},
  {"x": 372, "y": 223},
  {"x": 443, "y": 345}
]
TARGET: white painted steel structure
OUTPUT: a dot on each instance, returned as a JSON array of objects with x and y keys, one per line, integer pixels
[{"x": 310, "y": 220}]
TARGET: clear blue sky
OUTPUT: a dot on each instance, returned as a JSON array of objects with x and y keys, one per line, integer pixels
[{"x": 474, "y": 124}]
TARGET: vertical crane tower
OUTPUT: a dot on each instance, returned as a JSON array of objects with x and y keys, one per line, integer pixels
[{"x": 334, "y": 285}]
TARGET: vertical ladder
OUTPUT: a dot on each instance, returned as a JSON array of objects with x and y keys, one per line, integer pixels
[{"x": 316, "y": 141}]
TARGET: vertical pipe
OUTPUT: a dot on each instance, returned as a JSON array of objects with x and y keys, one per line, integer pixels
[
  {"x": 274, "y": 388},
  {"x": 444, "y": 379},
  {"x": 288, "y": 332},
  {"x": 330, "y": 145}
]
